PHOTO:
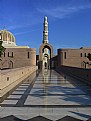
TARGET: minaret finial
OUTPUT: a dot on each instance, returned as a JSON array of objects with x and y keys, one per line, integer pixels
[{"x": 45, "y": 18}]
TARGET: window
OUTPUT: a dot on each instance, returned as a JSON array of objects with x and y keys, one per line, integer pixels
[
  {"x": 8, "y": 54},
  {"x": 12, "y": 54},
  {"x": 81, "y": 54},
  {"x": 7, "y": 78},
  {"x": 64, "y": 55},
  {"x": 28, "y": 54},
  {"x": 4, "y": 54},
  {"x": 85, "y": 54}
]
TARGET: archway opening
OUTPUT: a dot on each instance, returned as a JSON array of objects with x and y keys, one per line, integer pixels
[
  {"x": 45, "y": 65},
  {"x": 45, "y": 55},
  {"x": 10, "y": 63},
  {"x": 46, "y": 58}
]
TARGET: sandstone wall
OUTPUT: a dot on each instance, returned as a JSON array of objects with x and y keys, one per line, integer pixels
[
  {"x": 18, "y": 57},
  {"x": 74, "y": 57},
  {"x": 11, "y": 77},
  {"x": 79, "y": 73}
]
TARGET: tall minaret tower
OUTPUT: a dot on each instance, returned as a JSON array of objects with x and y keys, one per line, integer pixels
[{"x": 45, "y": 32}]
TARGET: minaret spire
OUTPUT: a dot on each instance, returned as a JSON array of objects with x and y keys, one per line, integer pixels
[{"x": 45, "y": 31}]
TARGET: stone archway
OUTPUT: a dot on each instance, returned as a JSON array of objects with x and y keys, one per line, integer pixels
[
  {"x": 10, "y": 64},
  {"x": 6, "y": 64},
  {"x": 43, "y": 46}
]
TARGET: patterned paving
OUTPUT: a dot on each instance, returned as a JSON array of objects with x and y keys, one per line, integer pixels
[{"x": 51, "y": 95}]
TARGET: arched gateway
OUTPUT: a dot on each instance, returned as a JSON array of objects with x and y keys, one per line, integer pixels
[
  {"x": 46, "y": 50},
  {"x": 45, "y": 58}
]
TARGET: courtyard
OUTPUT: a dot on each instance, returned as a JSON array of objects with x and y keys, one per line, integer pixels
[{"x": 49, "y": 94}]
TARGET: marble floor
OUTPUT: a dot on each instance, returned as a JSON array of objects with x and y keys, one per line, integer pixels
[{"x": 51, "y": 95}]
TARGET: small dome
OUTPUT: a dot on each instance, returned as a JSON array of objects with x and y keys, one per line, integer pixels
[{"x": 7, "y": 38}]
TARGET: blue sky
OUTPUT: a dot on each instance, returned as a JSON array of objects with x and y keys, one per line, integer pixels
[{"x": 69, "y": 22}]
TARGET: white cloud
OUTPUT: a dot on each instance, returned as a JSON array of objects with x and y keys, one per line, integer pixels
[
  {"x": 62, "y": 12},
  {"x": 18, "y": 26},
  {"x": 24, "y": 32}
]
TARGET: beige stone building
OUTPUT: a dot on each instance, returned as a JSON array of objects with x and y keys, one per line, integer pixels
[
  {"x": 20, "y": 56},
  {"x": 74, "y": 57},
  {"x": 46, "y": 50},
  {"x": 15, "y": 56},
  {"x": 65, "y": 57}
]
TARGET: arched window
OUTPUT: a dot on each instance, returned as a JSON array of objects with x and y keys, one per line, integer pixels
[
  {"x": 8, "y": 54},
  {"x": 4, "y": 54},
  {"x": 85, "y": 54},
  {"x": 81, "y": 54},
  {"x": 12, "y": 54}
]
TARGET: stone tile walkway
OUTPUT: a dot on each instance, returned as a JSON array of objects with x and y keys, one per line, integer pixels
[{"x": 51, "y": 95}]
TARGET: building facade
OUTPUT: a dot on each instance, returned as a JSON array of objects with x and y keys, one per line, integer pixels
[
  {"x": 74, "y": 57},
  {"x": 65, "y": 57},
  {"x": 15, "y": 56},
  {"x": 20, "y": 56}
]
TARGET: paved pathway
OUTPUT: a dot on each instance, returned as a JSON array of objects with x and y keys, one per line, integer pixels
[{"x": 51, "y": 95}]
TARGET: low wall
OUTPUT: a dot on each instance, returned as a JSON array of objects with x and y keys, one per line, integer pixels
[
  {"x": 81, "y": 73},
  {"x": 11, "y": 77}
]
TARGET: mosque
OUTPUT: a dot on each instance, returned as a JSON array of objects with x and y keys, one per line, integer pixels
[
  {"x": 15, "y": 56},
  {"x": 20, "y": 56},
  {"x": 46, "y": 50},
  {"x": 65, "y": 56}
]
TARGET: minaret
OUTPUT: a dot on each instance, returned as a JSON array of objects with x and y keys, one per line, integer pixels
[{"x": 45, "y": 32}]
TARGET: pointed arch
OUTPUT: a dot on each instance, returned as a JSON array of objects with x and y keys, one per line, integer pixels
[
  {"x": 41, "y": 49},
  {"x": 43, "y": 46}
]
